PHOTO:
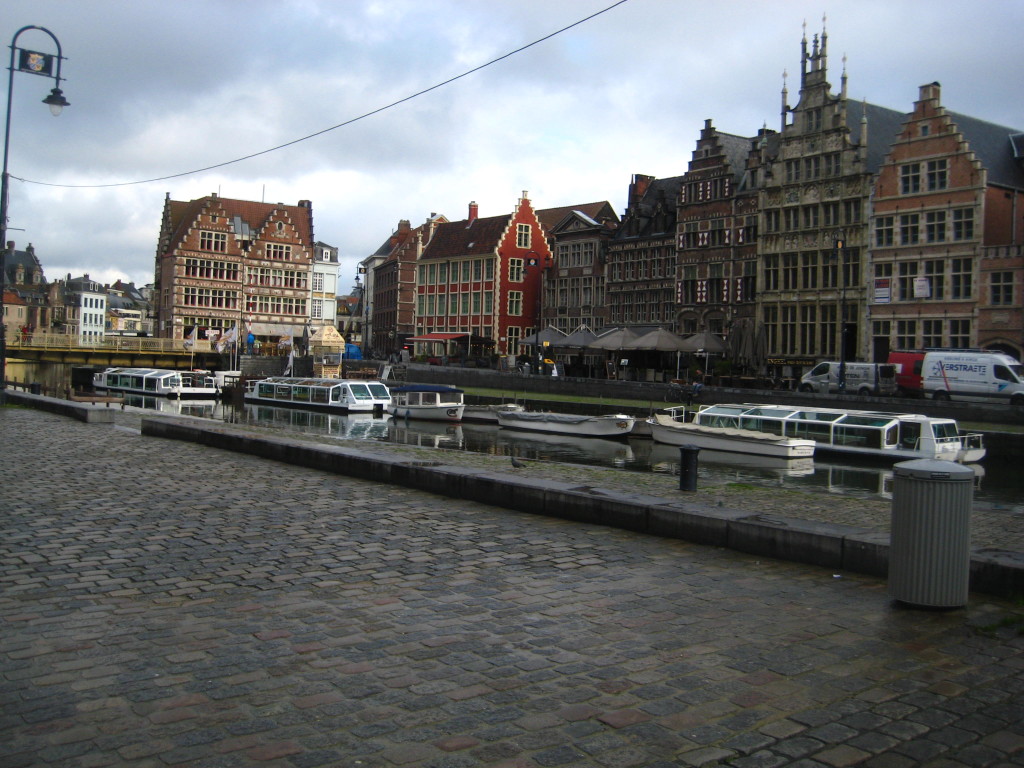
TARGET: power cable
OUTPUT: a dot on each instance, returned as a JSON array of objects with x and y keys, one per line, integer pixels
[{"x": 333, "y": 127}]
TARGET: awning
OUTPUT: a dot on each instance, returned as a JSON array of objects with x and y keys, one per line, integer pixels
[
  {"x": 451, "y": 337},
  {"x": 438, "y": 337},
  {"x": 275, "y": 329}
]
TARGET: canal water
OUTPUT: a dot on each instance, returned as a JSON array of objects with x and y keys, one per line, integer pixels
[{"x": 998, "y": 486}]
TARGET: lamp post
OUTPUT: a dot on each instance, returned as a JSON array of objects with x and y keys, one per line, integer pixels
[
  {"x": 840, "y": 259},
  {"x": 34, "y": 63}
]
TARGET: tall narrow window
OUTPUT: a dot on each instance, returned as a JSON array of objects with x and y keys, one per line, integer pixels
[
  {"x": 910, "y": 178},
  {"x": 523, "y": 235},
  {"x": 935, "y": 226},
  {"x": 936, "y": 174}
]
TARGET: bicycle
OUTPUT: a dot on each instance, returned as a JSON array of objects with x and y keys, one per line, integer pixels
[{"x": 678, "y": 393}]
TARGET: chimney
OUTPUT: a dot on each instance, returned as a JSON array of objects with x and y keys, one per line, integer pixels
[
  {"x": 930, "y": 91},
  {"x": 474, "y": 211}
]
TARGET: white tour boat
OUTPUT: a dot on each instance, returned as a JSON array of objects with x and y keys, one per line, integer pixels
[
  {"x": 342, "y": 395},
  {"x": 874, "y": 434},
  {"x": 670, "y": 428},
  {"x": 432, "y": 402},
  {"x": 488, "y": 414},
  {"x": 159, "y": 382},
  {"x": 610, "y": 425}
]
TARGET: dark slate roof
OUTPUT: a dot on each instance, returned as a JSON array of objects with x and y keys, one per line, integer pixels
[
  {"x": 736, "y": 150},
  {"x": 465, "y": 238},
  {"x": 11, "y": 260},
  {"x": 998, "y": 148},
  {"x": 551, "y": 217},
  {"x": 884, "y": 125},
  {"x": 639, "y": 221}
]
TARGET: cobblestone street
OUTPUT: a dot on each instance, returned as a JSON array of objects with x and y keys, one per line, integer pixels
[{"x": 166, "y": 604}]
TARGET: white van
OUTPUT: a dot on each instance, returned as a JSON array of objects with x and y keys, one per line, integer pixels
[
  {"x": 861, "y": 378},
  {"x": 973, "y": 375}
]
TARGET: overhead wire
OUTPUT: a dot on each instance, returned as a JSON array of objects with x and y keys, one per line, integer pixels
[{"x": 348, "y": 122}]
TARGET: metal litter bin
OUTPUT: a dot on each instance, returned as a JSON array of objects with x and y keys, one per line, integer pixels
[{"x": 930, "y": 542}]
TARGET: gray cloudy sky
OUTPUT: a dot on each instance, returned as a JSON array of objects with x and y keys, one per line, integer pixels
[{"x": 161, "y": 88}]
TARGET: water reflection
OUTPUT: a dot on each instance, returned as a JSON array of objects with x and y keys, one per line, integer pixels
[{"x": 999, "y": 488}]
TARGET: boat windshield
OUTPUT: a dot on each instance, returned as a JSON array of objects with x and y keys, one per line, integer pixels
[
  {"x": 360, "y": 391},
  {"x": 945, "y": 431},
  {"x": 379, "y": 391}
]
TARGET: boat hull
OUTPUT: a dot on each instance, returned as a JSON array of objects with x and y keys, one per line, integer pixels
[
  {"x": 443, "y": 412},
  {"x": 609, "y": 426},
  {"x": 669, "y": 432}
]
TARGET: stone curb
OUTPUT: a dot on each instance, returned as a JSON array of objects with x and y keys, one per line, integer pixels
[
  {"x": 827, "y": 545},
  {"x": 88, "y": 412}
]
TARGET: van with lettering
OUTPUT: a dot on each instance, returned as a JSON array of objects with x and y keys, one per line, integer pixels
[
  {"x": 861, "y": 378},
  {"x": 973, "y": 376}
]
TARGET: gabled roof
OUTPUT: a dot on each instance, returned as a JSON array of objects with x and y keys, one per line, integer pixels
[
  {"x": 884, "y": 125},
  {"x": 243, "y": 214},
  {"x": 551, "y": 217},
  {"x": 466, "y": 238},
  {"x": 641, "y": 220},
  {"x": 998, "y": 148}
]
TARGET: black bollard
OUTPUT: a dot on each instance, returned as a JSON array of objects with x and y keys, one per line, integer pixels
[{"x": 688, "y": 467}]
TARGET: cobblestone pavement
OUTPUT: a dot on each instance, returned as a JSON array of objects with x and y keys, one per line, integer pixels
[{"x": 165, "y": 604}]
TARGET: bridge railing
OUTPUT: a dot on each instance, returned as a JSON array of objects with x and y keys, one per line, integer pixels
[{"x": 113, "y": 343}]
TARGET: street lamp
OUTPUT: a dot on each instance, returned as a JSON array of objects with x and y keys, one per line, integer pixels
[
  {"x": 840, "y": 261},
  {"x": 34, "y": 63}
]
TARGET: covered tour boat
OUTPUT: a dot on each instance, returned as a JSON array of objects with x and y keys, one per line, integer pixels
[
  {"x": 872, "y": 434},
  {"x": 342, "y": 395},
  {"x": 671, "y": 428},
  {"x": 432, "y": 402},
  {"x": 159, "y": 382}
]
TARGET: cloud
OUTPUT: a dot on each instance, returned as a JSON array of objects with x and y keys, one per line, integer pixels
[{"x": 158, "y": 89}]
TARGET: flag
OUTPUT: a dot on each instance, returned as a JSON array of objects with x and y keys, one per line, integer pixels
[
  {"x": 35, "y": 63},
  {"x": 288, "y": 367},
  {"x": 190, "y": 340}
]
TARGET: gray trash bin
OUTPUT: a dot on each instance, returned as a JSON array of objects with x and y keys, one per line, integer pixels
[{"x": 930, "y": 543}]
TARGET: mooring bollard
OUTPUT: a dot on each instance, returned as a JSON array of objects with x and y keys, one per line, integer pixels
[{"x": 688, "y": 467}]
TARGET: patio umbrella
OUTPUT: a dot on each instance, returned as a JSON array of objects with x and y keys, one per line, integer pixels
[
  {"x": 578, "y": 339},
  {"x": 660, "y": 340},
  {"x": 552, "y": 336},
  {"x": 706, "y": 342},
  {"x": 617, "y": 339}
]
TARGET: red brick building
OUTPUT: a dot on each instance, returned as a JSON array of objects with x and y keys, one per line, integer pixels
[
  {"x": 223, "y": 262},
  {"x": 479, "y": 279},
  {"x": 947, "y": 226}
]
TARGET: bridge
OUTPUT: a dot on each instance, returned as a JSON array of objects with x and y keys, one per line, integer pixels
[{"x": 112, "y": 351}]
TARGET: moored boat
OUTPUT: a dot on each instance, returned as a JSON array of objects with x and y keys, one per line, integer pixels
[
  {"x": 870, "y": 434},
  {"x": 341, "y": 395},
  {"x": 431, "y": 402},
  {"x": 158, "y": 382},
  {"x": 488, "y": 414},
  {"x": 609, "y": 425},
  {"x": 671, "y": 429}
]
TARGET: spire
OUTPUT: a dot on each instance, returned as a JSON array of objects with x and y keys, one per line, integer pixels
[
  {"x": 864, "y": 130},
  {"x": 803, "y": 52},
  {"x": 843, "y": 91},
  {"x": 785, "y": 99}
]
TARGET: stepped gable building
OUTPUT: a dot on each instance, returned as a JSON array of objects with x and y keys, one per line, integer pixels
[
  {"x": 641, "y": 269},
  {"x": 716, "y": 237},
  {"x": 816, "y": 181},
  {"x": 221, "y": 262},
  {"x": 479, "y": 279},
  {"x": 948, "y": 226},
  {"x": 391, "y": 282},
  {"x": 574, "y": 288}
]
